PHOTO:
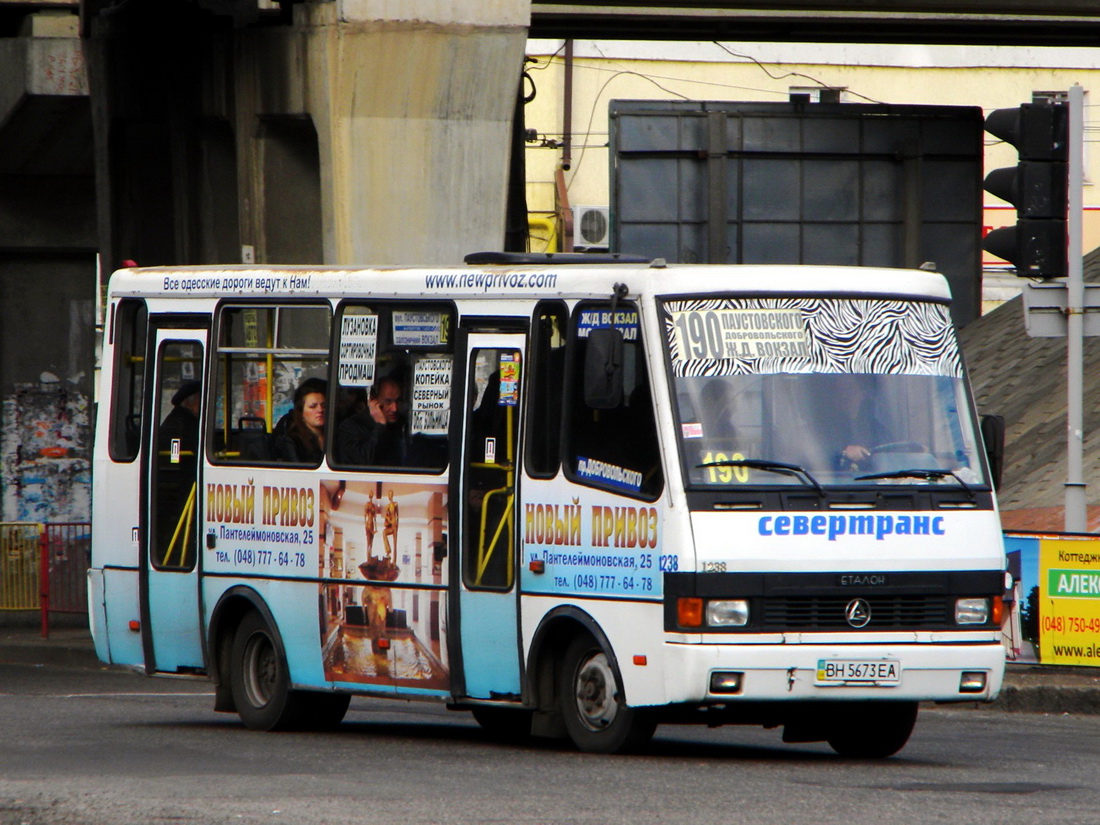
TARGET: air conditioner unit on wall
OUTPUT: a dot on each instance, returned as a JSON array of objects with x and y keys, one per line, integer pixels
[{"x": 591, "y": 228}]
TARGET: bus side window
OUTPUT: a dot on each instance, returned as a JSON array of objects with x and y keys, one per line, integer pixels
[
  {"x": 265, "y": 352},
  {"x": 393, "y": 386},
  {"x": 130, "y": 331},
  {"x": 546, "y": 393},
  {"x": 615, "y": 449}
]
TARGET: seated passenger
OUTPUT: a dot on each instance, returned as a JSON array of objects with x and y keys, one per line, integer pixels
[
  {"x": 304, "y": 439},
  {"x": 375, "y": 436}
]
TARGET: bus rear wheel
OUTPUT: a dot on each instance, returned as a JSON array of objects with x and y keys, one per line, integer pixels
[
  {"x": 595, "y": 716},
  {"x": 260, "y": 680},
  {"x": 873, "y": 730}
]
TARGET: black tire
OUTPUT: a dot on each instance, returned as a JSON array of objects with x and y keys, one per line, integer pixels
[
  {"x": 260, "y": 680},
  {"x": 504, "y": 724},
  {"x": 595, "y": 716},
  {"x": 873, "y": 730}
]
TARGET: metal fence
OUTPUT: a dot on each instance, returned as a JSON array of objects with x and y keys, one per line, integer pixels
[
  {"x": 20, "y": 545},
  {"x": 66, "y": 554},
  {"x": 44, "y": 567}
]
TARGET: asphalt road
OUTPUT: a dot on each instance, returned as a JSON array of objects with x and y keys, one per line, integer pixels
[{"x": 83, "y": 747}]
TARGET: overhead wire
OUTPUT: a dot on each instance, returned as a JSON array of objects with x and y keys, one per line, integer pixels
[
  {"x": 653, "y": 78},
  {"x": 596, "y": 100},
  {"x": 784, "y": 76},
  {"x": 773, "y": 75}
]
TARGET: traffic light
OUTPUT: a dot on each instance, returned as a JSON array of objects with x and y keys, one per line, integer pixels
[{"x": 1036, "y": 186}]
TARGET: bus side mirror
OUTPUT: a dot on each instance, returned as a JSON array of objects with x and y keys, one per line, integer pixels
[
  {"x": 993, "y": 436},
  {"x": 603, "y": 369}
]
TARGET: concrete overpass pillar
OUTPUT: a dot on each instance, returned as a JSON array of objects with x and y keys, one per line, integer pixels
[
  {"x": 47, "y": 268},
  {"x": 324, "y": 131},
  {"x": 411, "y": 103}
]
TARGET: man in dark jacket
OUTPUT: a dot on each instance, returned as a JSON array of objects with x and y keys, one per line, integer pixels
[
  {"x": 183, "y": 421},
  {"x": 375, "y": 437}
]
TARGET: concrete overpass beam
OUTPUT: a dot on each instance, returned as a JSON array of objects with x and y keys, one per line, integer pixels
[{"x": 43, "y": 96}]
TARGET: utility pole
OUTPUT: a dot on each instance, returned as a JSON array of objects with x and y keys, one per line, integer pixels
[
  {"x": 1046, "y": 187},
  {"x": 1076, "y": 516}
]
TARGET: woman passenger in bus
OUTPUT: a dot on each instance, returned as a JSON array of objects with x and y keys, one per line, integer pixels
[{"x": 304, "y": 440}]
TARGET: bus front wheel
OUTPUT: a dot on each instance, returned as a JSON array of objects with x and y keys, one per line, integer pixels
[
  {"x": 873, "y": 730},
  {"x": 595, "y": 716}
]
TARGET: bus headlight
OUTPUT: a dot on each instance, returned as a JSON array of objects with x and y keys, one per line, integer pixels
[
  {"x": 728, "y": 613},
  {"x": 971, "y": 611}
]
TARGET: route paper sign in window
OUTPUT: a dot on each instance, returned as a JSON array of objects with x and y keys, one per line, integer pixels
[
  {"x": 358, "y": 350},
  {"x": 431, "y": 395},
  {"x": 419, "y": 329},
  {"x": 740, "y": 333},
  {"x": 625, "y": 320}
]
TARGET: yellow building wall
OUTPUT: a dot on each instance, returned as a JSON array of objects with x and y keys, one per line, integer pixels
[{"x": 742, "y": 72}]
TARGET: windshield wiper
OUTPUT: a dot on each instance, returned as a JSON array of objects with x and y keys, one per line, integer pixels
[
  {"x": 771, "y": 467},
  {"x": 926, "y": 474}
]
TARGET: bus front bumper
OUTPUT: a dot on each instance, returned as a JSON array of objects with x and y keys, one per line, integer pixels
[{"x": 940, "y": 672}]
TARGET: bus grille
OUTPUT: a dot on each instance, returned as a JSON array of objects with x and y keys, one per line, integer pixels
[{"x": 828, "y": 613}]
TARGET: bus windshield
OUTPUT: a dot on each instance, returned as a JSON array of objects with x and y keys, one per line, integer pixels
[{"x": 818, "y": 392}]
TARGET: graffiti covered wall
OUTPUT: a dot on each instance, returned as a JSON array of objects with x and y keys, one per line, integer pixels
[{"x": 45, "y": 468}]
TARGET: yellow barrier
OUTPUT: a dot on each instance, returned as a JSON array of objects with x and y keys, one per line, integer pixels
[{"x": 20, "y": 548}]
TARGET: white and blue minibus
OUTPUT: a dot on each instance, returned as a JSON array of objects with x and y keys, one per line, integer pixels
[{"x": 579, "y": 498}]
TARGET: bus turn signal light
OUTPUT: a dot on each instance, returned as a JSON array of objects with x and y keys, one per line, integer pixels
[{"x": 689, "y": 611}]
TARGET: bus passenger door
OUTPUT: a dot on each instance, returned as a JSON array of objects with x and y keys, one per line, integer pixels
[
  {"x": 489, "y": 522},
  {"x": 171, "y": 621}
]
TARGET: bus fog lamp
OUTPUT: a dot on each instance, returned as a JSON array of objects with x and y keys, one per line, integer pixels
[
  {"x": 725, "y": 681},
  {"x": 972, "y": 681},
  {"x": 728, "y": 613},
  {"x": 972, "y": 611}
]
